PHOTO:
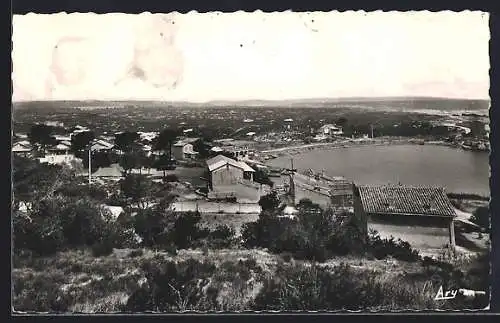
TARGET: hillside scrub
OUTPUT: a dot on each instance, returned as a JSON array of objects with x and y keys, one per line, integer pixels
[
  {"x": 158, "y": 282},
  {"x": 61, "y": 213},
  {"x": 318, "y": 234}
]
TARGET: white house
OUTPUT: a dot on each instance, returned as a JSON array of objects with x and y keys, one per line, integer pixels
[
  {"x": 184, "y": 149},
  {"x": 102, "y": 145},
  {"x": 22, "y": 148},
  {"x": 330, "y": 129}
]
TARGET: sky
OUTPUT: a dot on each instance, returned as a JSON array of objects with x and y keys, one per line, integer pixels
[{"x": 202, "y": 57}]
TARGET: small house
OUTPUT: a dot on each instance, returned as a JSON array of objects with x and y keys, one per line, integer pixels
[
  {"x": 330, "y": 129},
  {"x": 422, "y": 216},
  {"x": 58, "y": 154},
  {"x": 22, "y": 148},
  {"x": 102, "y": 145},
  {"x": 224, "y": 171},
  {"x": 59, "y": 149},
  {"x": 184, "y": 149}
]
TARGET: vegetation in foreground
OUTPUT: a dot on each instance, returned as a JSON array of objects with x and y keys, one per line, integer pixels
[{"x": 72, "y": 255}]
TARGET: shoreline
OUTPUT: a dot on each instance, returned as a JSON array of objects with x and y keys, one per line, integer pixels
[{"x": 299, "y": 149}]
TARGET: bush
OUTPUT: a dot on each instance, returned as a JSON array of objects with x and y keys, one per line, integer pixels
[
  {"x": 316, "y": 235},
  {"x": 171, "y": 178},
  {"x": 269, "y": 202},
  {"x": 297, "y": 287},
  {"x": 221, "y": 237},
  {"x": 398, "y": 249},
  {"x": 481, "y": 217},
  {"x": 287, "y": 257},
  {"x": 171, "y": 249},
  {"x": 136, "y": 253},
  {"x": 101, "y": 249},
  {"x": 172, "y": 286}
]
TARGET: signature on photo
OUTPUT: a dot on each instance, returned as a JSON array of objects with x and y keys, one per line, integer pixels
[{"x": 451, "y": 294}]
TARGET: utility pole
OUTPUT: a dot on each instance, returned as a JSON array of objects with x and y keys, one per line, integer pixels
[
  {"x": 371, "y": 126},
  {"x": 90, "y": 162},
  {"x": 291, "y": 171}
]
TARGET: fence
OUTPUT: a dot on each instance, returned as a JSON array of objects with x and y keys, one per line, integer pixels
[{"x": 216, "y": 207}]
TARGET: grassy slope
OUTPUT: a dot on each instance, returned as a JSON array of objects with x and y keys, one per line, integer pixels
[{"x": 103, "y": 284}]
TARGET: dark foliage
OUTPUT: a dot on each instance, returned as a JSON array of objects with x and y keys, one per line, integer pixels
[
  {"x": 398, "y": 249},
  {"x": 138, "y": 189},
  {"x": 103, "y": 248},
  {"x": 269, "y": 202},
  {"x": 314, "y": 235},
  {"x": 171, "y": 286},
  {"x": 316, "y": 288},
  {"x": 81, "y": 140},
  {"x": 125, "y": 141},
  {"x": 481, "y": 217},
  {"x": 262, "y": 177},
  {"x": 171, "y": 178},
  {"x": 41, "y": 136},
  {"x": 165, "y": 140}
]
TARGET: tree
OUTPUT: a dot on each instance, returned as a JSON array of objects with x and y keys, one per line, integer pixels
[
  {"x": 202, "y": 148},
  {"x": 138, "y": 189},
  {"x": 481, "y": 217},
  {"x": 34, "y": 181},
  {"x": 164, "y": 163},
  {"x": 40, "y": 136},
  {"x": 186, "y": 229},
  {"x": 125, "y": 141},
  {"x": 165, "y": 140},
  {"x": 129, "y": 161},
  {"x": 147, "y": 162},
  {"x": 261, "y": 177},
  {"x": 101, "y": 159},
  {"x": 341, "y": 122},
  {"x": 81, "y": 141},
  {"x": 269, "y": 202},
  {"x": 153, "y": 226}
]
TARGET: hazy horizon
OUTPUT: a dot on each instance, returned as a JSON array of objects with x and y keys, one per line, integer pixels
[
  {"x": 285, "y": 56},
  {"x": 340, "y": 99}
]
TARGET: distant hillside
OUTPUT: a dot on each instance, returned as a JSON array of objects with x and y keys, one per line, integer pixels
[{"x": 406, "y": 103}]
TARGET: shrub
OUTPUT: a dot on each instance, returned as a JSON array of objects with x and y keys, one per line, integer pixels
[
  {"x": 231, "y": 199},
  {"x": 338, "y": 288},
  {"x": 171, "y": 178},
  {"x": 186, "y": 229},
  {"x": 269, "y": 202},
  {"x": 316, "y": 235},
  {"x": 172, "y": 286},
  {"x": 136, "y": 253},
  {"x": 481, "y": 217},
  {"x": 103, "y": 248},
  {"x": 287, "y": 257},
  {"x": 171, "y": 249},
  {"x": 399, "y": 249}
]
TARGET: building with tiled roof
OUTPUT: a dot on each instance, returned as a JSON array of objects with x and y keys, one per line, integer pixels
[
  {"x": 229, "y": 176},
  {"x": 422, "y": 216}
]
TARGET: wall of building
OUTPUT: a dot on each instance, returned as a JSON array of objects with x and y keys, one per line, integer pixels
[
  {"x": 227, "y": 175},
  {"x": 177, "y": 152},
  {"x": 359, "y": 212},
  {"x": 57, "y": 159},
  {"x": 421, "y": 232}
]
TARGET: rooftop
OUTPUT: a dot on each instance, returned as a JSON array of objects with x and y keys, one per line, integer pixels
[
  {"x": 186, "y": 141},
  {"x": 399, "y": 199},
  {"x": 221, "y": 160}
]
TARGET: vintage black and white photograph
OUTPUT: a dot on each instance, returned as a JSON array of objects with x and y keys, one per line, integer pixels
[{"x": 250, "y": 161}]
